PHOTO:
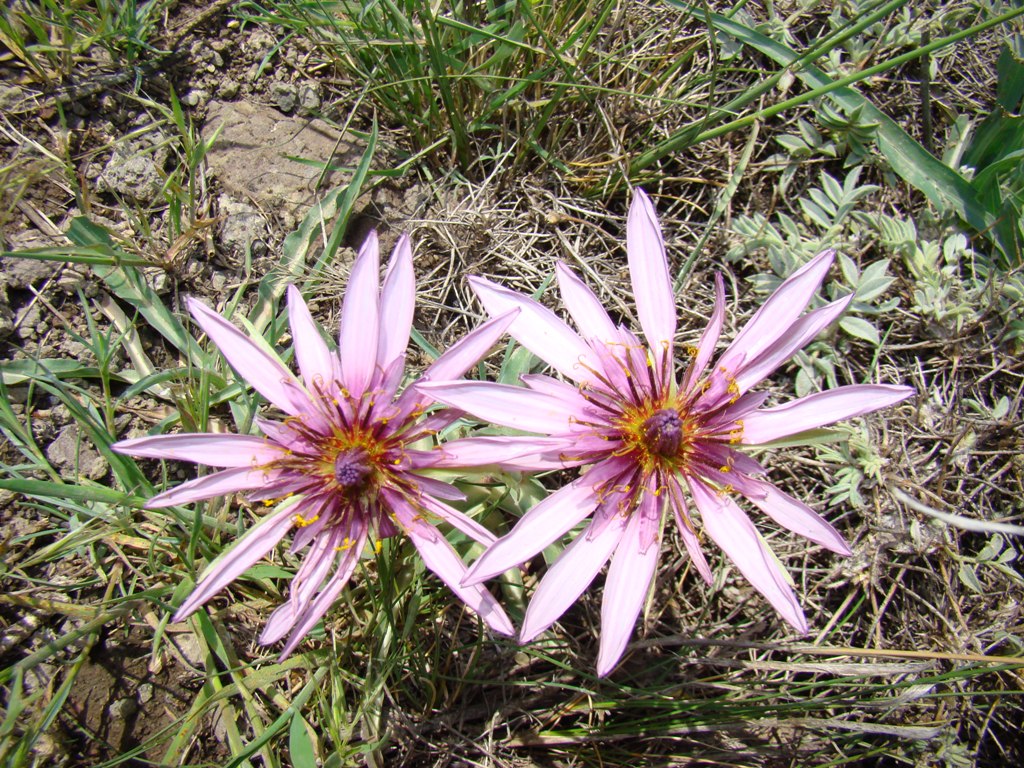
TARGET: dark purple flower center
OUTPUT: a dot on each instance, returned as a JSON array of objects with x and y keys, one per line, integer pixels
[
  {"x": 352, "y": 468},
  {"x": 663, "y": 432}
]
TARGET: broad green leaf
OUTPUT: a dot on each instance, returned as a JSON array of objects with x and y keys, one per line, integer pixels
[
  {"x": 860, "y": 328},
  {"x": 300, "y": 746}
]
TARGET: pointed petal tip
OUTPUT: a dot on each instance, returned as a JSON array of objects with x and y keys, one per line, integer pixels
[
  {"x": 371, "y": 241},
  {"x": 180, "y": 615}
]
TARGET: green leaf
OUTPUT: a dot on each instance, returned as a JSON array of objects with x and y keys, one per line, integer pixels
[
  {"x": 300, "y": 746},
  {"x": 860, "y": 328},
  {"x": 19, "y": 371},
  {"x": 128, "y": 285},
  {"x": 45, "y": 490},
  {"x": 970, "y": 579}
]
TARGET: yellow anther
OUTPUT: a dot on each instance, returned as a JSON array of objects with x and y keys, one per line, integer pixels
[
  {"x": 302, "y": 522},
  {"x": 378, "y": 545}
]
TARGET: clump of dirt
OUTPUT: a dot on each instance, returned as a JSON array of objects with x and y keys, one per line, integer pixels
[{"x": 119, "y": 705}]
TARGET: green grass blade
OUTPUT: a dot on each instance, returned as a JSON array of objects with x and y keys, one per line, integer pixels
[
  {"x": 45, "y": 490},
  {"x": 943, "y": 186}
]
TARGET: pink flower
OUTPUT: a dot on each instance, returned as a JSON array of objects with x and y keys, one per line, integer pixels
[
  {"x": 650, "y": 439},
  {"x": 342, "y": 456}
]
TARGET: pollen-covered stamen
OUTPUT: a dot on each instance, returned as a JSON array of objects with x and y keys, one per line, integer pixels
[
  {"x": 352, "y": 468},
  {"x": 663, "y": 432}
]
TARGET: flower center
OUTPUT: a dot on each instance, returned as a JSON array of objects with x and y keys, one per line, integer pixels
[
  {"x": 352, "y": 468},
  {"x": 663, "y": 433}
]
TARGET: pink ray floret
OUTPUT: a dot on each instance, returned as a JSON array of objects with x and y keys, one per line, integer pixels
[
  {"x": 342, "y": 458},
  {"x": 651, "y": 443}
]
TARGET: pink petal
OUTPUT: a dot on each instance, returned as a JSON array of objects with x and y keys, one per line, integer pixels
[
  {"x": 264, "y": 373},
  {"x": 324, "y": 508},
  {"x": 514, "y": 453},
  {"x": 397, "y": 301},
  {"x": 439, "y": 556},
  {"x": 458, "y": 520},
  {"x": 539, "y": 330},
  {"x": 283, "y": 433},
  {"x": 709, "y": 338},
  {"x": 215, "y": 450},
  {"x": 312, "y": 613},
  {"x": 586, "y": 309},
  {"x": 438, "y": 489},
  {"x": 629, "y": 579},
  {"x": 690, "y": 539},
  {"x": 218, "y": 484},
  {"x": 801, "y": 333},
  {"x": 504, "y": 404},
  {"x": 732, "y": 530},
  {"x": 557, "y": 388},
  {"x": 237, "y": 559},
  {"x": 456, "y": 360},
  {"x": 820, "y": 409},
  {"x": 772, "y": 321},
  {"x": 357, "y": 345},
  {"x": 544, "y": 523},
  {"x": 566, "y": 579},
  {"x": 468, "y": 351},
  {"x": 315, "y": 567},
  {"x": 316, "y": 362},
  {"x": 796, "y": 516},
  {"x": 648, "y": 272}
]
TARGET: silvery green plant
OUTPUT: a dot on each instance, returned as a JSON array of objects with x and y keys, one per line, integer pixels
[
  {"x": 828, "y": 209},
  {"x": 942, "y": 294},
  {"x": 859, "y": 466},
  {"x": 837, "y": 135}
]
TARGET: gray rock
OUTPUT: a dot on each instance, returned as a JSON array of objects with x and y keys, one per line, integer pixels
[
  {"x": 158, "y": 280},
  {"x": 285, "y": 95},
  {"x": 123, "y": 709},
  {"x": 195, "y": 98},
  {"x": 309, "y": 100},
  {"x": 228, "y": 89},
  {"x": 10, "y": 97},
  {"x": 243, "y": 225},
  {"x": 133, "y": 172},
  {"x": 74, "y": 457},
  {"x": 73, "y": 278},
  {"x": 6, "y": 319},
  {"x": 259, "y": 43},
  {"x": 28, "y": 321}
]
